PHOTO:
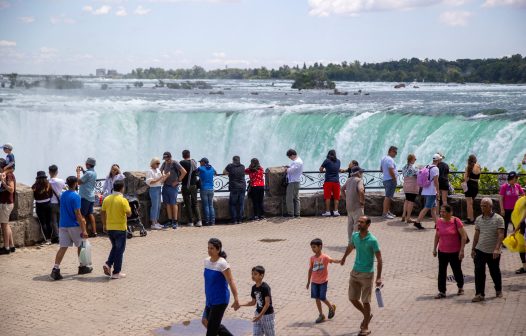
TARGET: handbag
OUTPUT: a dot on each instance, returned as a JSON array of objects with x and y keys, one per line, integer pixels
[{"x": 456, "y": 226}]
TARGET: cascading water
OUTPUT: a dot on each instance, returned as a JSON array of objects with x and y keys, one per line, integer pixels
[{"x": 130, "y": 127}]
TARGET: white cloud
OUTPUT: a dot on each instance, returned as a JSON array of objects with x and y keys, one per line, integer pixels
[
  {"x": 87, "y": 9},
  {"x": 61, "y": 19},
  {"x": 219, "y": 54},
  {"x": 121, "y": 11},
  {"x": 459, "y": 18},
  {"x": 27, "y": 19},
  {"x": 140, "y": 10},
  {"x": 456, "y": 3},
  {"x": 103, "y": 10},
  {"x": 493, "y": 3},
  {"x": 354, "y": 7},
  {"x": 208, "y": 1},
  {"x": 4, "y": 4},
  {"x": 47, "y": 50},
  {"x": 5, "y": 43}
]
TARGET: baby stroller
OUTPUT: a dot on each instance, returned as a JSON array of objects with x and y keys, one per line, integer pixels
[{"x": 134, "y": 221}]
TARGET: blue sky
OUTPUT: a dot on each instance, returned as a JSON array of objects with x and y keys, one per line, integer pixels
[{"x": 76, "y": 37}]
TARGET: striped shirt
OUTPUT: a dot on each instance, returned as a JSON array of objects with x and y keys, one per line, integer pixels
[{"x": 488, "y": 227}]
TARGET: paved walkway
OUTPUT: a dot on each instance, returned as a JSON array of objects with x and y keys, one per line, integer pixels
[{"x": 164, "y": 287}]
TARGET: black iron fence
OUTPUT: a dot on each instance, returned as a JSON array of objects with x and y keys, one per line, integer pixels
[{"x": 489, "y": 182}]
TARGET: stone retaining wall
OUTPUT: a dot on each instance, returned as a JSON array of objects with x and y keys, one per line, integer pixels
[{"x": 26, "y": 228}]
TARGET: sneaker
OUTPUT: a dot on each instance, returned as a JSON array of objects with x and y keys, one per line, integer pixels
[
  {"x": 85, "y": 269},
  {"x": 440, "y": 295},
  {"x": 332, "y": 311},
  {"x": 320, "y": 318},
  {"x": 106, "y": 269},
  {"x": 116, "y": 276},
  {"x": 190, "y": 224},
  {"x": 168, "y": 224},
  {"x": 54, "y": 240},
  {"x": 391, "y": 214},
  {"x": 418, "y": 226},
  {"x": 157, "y": 226},
  {"x": 388, "y": 216},
  {"x": 499, "y": 294},
  {"x": 460, "y": 291},
  {"x": 55, "y": 274},
  {"x": 174, "y": 224},
  {"x": 5, "y": 251},
  {"x": 326, "y": 214},
  {"x": 199, "y": 224},
  {"x": 336, "y": 214},
  {"x": 478, "y": 298},
  {"x": 12, "y": 249}
]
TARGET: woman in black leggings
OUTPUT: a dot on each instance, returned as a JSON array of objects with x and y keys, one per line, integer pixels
[{"x": 218, "y": 277}]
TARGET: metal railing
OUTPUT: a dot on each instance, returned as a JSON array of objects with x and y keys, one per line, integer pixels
[{"x": 372, "y": 179}]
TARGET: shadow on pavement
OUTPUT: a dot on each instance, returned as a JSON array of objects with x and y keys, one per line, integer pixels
[
  {"x": 48, "y": 278},
  {"x": 237, "y": 327},
  {"x": 102, "y": 278}
]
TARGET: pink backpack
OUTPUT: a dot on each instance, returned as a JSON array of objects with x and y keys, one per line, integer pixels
[{"x": 423, "y": 178}]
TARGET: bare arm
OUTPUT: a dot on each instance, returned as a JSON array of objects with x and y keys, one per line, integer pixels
[
  {"x": 309, "y": 276},
  {"x": 348, "y": 251},
  {"x": 435, "y": 244},
  {"x": 249, "y": 303},
  {"x": 392, "y": 173},
  {"x": 230, "y": 279},
  {"x": 103, "y": 220},
  {"x": 82, "y": 223},
  {"x": 183, "y": 173},
  {"x": 475, "y": 242},
  {"x": 322, "y": 169},
  {"x": 501, "y": 203},
  {"x": 463, "y": 239},
  {"x": 263, "y": 310},
  {"x": 500, "y": 237},
  {"x": 435, "y": 181},
  {"x": 379, "y": 266}
]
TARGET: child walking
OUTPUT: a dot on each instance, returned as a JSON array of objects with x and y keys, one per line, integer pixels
[
  {"x": 262, "y": 299},
  {"x": 318, "y": 278}
]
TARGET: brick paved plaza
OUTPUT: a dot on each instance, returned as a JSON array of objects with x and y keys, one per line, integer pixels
[{"x": 164, "y": 287}]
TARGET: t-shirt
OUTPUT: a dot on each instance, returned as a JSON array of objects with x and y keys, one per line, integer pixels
[
  {"x": 116, "y": 206},
  {"x": 69, "y": 202},
  {"x": 58, "y": 186},
  {"x": 510, "y": 195},
  {"x": 10, "y": 158},
  {"x": 386, "y": 163},
  {"x": 443, "y": 172},
  {"x": 448, "y": 235},
  {"x": 488, "y": 232},
  {"x": 153, "y": 174},
  {"x": 320, "y": 268},
  {"x": 256, "y": 177},
  {"x": 216, "y": 286},
  {"x": 236, "y": 177},
  {"x": 87, "y": 188},
  {"x": 430, "y": 190},
  {"x": 7, "y": 197},
  {"x": 206, "y": 174},
  {"x": 365, "y": 251},
  {"x": 352, "y": 195},
  {"x": 189, "y": 166},
  {"x": 175, "y": 171},
  {"x": 332, "y": 170},
  {"x": 260, "y": 293},
  {"x": 295, "y": 170}
]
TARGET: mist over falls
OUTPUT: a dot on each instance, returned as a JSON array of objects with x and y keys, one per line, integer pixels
[{"x": 129, "y": 127}]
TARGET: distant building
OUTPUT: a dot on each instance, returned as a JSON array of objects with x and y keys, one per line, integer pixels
[
  {"x": 112, "y": 73},
  {"x": 100, "y": 72}
]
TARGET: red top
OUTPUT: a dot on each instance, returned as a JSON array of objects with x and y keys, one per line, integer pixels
[
  {"x": 256, "y": 178},
  {"x": 449, "y": 237},
  {"x": 5, "y": 196}
]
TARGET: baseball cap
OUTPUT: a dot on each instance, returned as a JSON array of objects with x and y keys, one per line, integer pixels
[
  {"x": 441, "y": 155},
  {"x": 437, "y": 157},
  {"x": 8, "y": 146},
  {"x": 512, "y": 175},
  {"x": 355, "y": 170},
  {"x": 167, "y": 155},
  {"x": 91, "y": 161},
  {"x": 204, "y": 160}
]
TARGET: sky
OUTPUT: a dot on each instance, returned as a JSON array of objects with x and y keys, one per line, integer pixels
[{"x": 77, "y": 37}]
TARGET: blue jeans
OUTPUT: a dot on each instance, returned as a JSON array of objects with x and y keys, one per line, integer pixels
[
  {"x": 155, "y": 197},
  {"x": 118, "y": 245},
  {"x": 237, "y": 204},
  {"x": 207, "y": 200}
]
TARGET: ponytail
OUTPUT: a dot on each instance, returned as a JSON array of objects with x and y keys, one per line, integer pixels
[{"x": 222, "y": 254}]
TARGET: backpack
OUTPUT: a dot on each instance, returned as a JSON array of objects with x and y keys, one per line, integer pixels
[{"x": 423, "y": 178}]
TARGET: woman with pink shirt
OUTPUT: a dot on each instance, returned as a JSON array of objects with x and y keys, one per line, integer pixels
[
  {"x": 450, "y": 237},
  {"x": 509, "y": 194}
]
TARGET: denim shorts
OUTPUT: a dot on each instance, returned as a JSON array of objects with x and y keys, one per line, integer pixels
[
  {"x": 430, "y": 201},
  {"x": 170, "y": 194},
  {"x": 86, "y": 207},
  {"x": 390, "y": 186},
  {"x": 319, "y": 291}
]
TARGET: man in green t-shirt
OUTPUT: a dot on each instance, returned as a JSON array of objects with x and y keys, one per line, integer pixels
[{"x": 361, "y": 281}]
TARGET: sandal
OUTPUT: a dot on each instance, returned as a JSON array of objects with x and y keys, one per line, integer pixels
[
  {"x": 440, "y": 296},
  {"x": 520, "y": 271},
  {"x": 370, "y": 318},
  {"x": 364, "y": 332}
]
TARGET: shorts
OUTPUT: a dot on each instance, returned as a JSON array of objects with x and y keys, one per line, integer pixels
[
  {"x": 443, "y": 185},
  {"x": 331, "y": 189},
  {"x": 410, "y": 197},
  {"x": 361, "y": 286},
  {"x": 318, "y": 291},
  {"x": 170, "y": 194},
  {"x": 5, "y": 212},
  {"x": 390, "y": 187},
  {"x": 67, "y": 236},
  {"x": 430, "y": 201},
  {"x": 473, "y": 189},
  {"x": 265, "y": 326},
  {"x": 86, "y": 207}
]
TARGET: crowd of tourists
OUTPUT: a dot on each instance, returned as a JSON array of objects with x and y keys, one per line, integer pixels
[{"x": 65, "y": 212}]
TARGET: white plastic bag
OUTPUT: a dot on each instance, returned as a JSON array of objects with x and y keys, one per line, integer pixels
[{"x": 85, "y": 253}]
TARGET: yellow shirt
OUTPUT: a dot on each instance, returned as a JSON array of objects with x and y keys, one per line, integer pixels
[{"x": 116, "y": 207}]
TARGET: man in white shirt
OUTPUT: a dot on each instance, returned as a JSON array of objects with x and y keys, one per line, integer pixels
[
  {"x": 294, "y": 172},
  {"x": 57, "y": 185},
  {"x": 430, "y": 193}
]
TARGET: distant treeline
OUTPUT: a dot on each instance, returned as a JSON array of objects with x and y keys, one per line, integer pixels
[{"x": 493, "y": 70}]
